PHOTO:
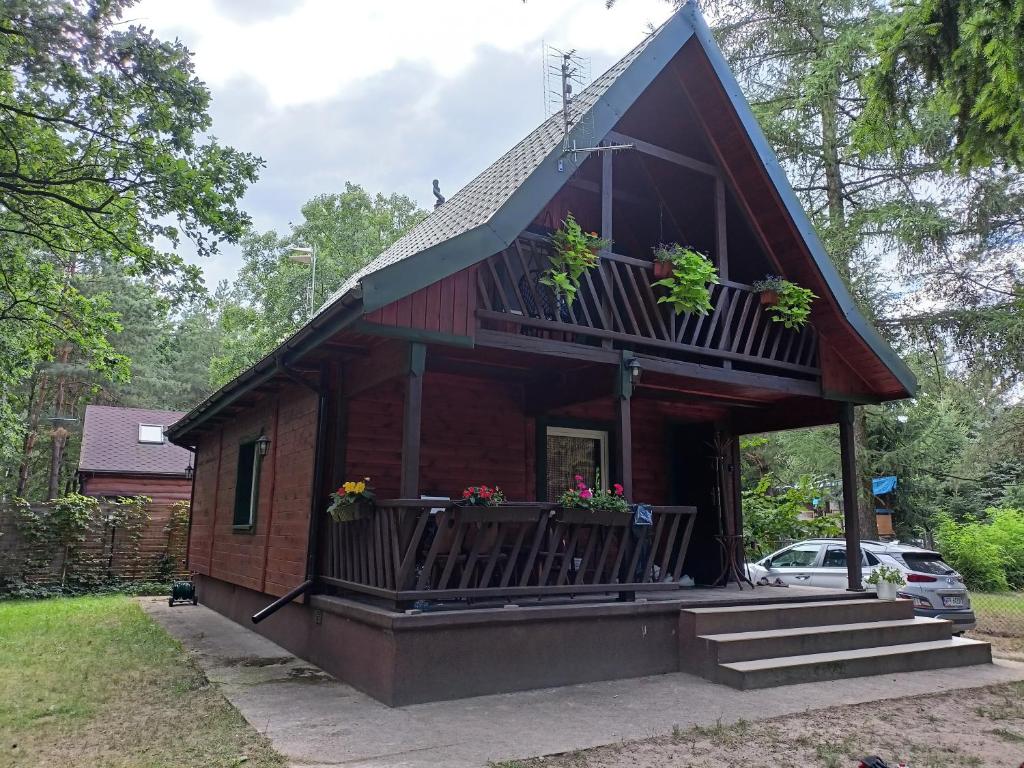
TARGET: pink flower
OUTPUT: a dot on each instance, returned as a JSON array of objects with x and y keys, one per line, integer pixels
[
  {"x": 618, "y": 489},
  {"x": 581, "y": 486},
  {"x": 578, "y": 478},
  {"x": 586, "y": 494}
]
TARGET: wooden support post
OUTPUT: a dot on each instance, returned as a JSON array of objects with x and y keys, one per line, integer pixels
[
  {"x": 722, "y": 251},
  {"x": 409, "y": 486},
  {"x": 848, "y": 459},
  {"x": 606, "y": 220},
  {"x": 624, "y": 427}
]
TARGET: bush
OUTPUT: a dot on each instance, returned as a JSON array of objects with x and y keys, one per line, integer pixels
[
  {"x": 970, "y": 549},
  {"x": 770, "y": 517},
  {"x": 1007, "y": 532}
]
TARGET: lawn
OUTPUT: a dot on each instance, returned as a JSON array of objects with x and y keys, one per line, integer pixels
[
  {"x": 92, "y": 681},
  {"x": 981, "y": 727},
  {"x": 1000, "y": 622}
]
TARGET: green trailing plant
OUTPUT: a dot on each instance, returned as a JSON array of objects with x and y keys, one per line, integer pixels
[
  {"x": 574, "y": 252},
  {"x": 883, "y": 574},
  {"x": 692, "y": 273},
  {"x": 793, "y": 305}
]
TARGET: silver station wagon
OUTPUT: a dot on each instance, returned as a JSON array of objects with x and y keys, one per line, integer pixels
[{"x": 935, "y": 588}]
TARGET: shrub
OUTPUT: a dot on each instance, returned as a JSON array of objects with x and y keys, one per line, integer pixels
[
  {"x": 969, "y": 548},
  {"x": 1006, "y": 531},
  {"x": 773, "y": 517}
]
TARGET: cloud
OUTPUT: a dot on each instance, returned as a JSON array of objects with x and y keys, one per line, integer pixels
[
  {"x": 390, "y": 95},
  {"x": 248, "y": 12}
]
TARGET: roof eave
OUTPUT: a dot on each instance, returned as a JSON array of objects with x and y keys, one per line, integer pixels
[{"x": 342, "y": 312}]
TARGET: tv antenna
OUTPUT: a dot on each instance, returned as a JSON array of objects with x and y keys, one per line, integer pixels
[{"x": 566, "y": 74}]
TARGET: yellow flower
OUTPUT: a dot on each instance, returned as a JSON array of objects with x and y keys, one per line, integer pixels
[
  {"x": 360, "y": 487},
  {"x": 349, "y": 487}
]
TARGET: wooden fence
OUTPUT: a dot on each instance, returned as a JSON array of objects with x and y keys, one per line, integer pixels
[{"x": 34, "y": 556}]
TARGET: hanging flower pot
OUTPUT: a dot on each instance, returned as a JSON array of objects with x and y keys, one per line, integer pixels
[
  {"x": 769, "y": 298},
  {"x": 662, "y": 269}
]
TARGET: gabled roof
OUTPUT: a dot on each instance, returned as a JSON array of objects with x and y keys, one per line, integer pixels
[
  {"x": 110, "y": 442},
  {"x": 487, "y": 215}
]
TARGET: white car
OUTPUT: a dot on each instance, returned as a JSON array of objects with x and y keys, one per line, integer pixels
[{"x": 936, "y": 589}]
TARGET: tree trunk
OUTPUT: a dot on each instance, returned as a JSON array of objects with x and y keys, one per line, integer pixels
[
  {"x": 58, "y": 439},
  {"x": 865, "y": 499}
]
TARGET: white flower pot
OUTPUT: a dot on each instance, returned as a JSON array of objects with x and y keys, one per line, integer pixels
[{"x": 886, "y": 591}]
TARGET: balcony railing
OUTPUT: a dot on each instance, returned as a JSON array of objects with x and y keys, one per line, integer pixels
[
  {"x": 406, "y": 550},
  {"x": 616, "y": 302}
]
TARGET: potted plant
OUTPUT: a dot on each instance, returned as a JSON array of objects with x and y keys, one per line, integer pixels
[
  {"x": 584, "y": 505},
  {"x": 768, "y": 289},
  {"x": 691, "y": 274},
  {"x": 662, "y": 262},
  {"x": 352, "y": 501},
  {"x": 785, "y": 301},
  {"x": 574, "y": 252},
  {"x": 886, "y": 581}
]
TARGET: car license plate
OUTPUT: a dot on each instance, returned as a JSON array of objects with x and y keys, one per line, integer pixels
[{"x": 953, "y": 601}]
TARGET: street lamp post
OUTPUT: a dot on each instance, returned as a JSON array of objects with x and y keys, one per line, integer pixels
[{"x": 302, "y": 254}]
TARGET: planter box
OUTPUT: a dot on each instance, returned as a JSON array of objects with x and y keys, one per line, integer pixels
[
  {"x": 499, "y": 513},
  {"x": 578, "y": 516},
  {"x": 347, "y": 513}
]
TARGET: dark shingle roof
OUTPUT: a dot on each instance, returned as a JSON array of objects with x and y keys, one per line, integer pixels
[
  {"x": 110, "y": 442},
  {"x": 477, "y": 202}
]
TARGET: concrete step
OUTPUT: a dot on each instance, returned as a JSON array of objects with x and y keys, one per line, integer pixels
[
  {"x": 798, "y": 641},
  {"x": 752, "y": 618},
  {"x": 908, "y": 657}
]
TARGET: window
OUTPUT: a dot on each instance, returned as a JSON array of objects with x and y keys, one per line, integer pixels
[
  {"x": 247, "y": 486},
  {"x": 835, "y": 557},
  {"x": 572, "y": 452},
  {"x": 151, "y": 433},
  {"x": 798, "y": 557}
]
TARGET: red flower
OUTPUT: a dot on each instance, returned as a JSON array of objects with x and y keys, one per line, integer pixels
[
  {"x": 618, "y": 489},
  {"x": 467, "y": 493}
]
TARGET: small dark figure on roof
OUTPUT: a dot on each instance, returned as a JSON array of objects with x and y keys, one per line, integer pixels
[{"x": 437, "y": 194}]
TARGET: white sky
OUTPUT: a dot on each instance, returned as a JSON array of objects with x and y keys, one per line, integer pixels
[{"x": 388, "y": 94}]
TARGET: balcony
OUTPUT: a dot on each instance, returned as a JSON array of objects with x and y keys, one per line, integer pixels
[{"x": 616, "y": 305}]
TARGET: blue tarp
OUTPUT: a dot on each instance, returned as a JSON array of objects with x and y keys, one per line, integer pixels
[{"x": 880, "y": 485}]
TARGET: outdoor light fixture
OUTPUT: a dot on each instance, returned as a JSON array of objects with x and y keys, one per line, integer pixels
[
  {"x": 189, "y": 471},
  {"x": 302, "y": 254},
  {"x": 262, "y": 443},
  {"x": 634, "y": 368}
]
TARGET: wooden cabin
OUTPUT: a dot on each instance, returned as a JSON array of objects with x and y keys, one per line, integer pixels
[{"x": 447, "y": 362}]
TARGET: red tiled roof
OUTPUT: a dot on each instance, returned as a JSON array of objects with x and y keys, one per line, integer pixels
[{"x": 110, "y": 442}]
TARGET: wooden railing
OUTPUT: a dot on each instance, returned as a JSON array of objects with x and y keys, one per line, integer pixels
[
  {"x": 617, "y": 302},
  {"x": 407, "y": 550}
]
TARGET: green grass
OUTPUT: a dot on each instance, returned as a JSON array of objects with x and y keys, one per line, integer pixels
[{"x": 92, "y": 681}]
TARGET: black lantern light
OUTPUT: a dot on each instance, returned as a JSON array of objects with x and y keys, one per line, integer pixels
[
  {"x": 262, "y": 443},
  {"x": 189, "y": 471}
]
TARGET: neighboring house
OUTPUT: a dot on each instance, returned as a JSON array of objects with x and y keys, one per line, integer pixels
[
  {"x": 446, "y": 363},
  {"x": 125, "y": 453}
]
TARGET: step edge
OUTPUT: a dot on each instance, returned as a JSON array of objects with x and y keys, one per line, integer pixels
[
  {"x": 757, "y": 665},
  {"x": 821, "y": 629}
]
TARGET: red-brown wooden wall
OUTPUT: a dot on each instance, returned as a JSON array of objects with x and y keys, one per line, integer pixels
[
  {"x": 447, "y": 306},
  {"x": 272, "y": 559}
]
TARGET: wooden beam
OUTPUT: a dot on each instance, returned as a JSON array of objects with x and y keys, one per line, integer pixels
[
  {"x": 412, "y": 417},
  {"x": 624, "y": 426},
  {"x": 848, "y": 460},
  {"x": 606, "y": 194},
  {"x": 667, "y": 155}
]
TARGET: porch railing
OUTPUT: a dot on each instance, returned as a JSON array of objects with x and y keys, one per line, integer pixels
[
  {"x": 617, "y": 302},
  {"x": 406, "y": 550}
]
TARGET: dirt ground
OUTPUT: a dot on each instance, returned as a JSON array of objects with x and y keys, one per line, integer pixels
[{"x": 980, "y": 727}]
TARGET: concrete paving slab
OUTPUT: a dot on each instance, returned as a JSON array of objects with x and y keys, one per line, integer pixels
[{"x": 316, "y": 721}]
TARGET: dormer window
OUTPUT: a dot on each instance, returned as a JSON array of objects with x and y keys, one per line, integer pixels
[{"x": 151, "y": 433}]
